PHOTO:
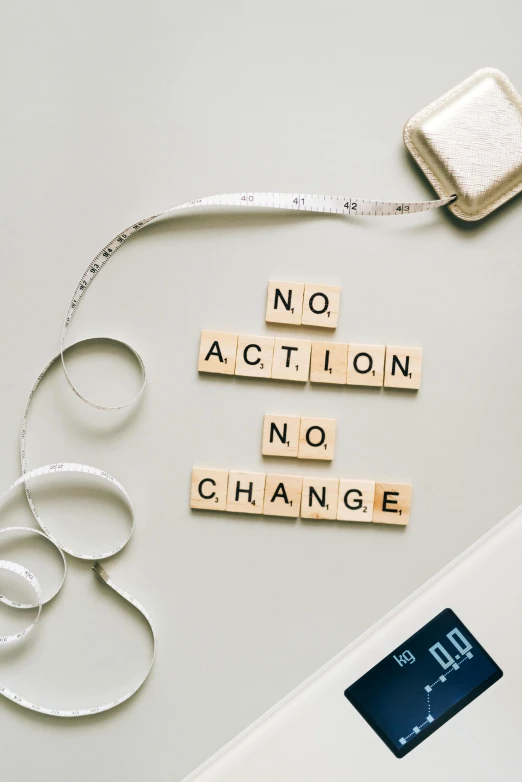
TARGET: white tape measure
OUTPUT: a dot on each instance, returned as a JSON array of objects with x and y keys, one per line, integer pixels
[
  {"x": 33, "y": 582},
  {"x": 340, "y": 205}
]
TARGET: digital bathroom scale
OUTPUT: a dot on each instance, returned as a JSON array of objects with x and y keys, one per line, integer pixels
[{"x": 431, "y": 692}]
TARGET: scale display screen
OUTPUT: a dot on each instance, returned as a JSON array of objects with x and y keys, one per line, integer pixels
[{"x": 423, "y": 683}]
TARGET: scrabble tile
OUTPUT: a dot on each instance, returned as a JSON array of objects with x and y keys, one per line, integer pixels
[
  {"x": 365, "y": 365},
  {"x": 283, "y": 495},
  {"x": 291, "y": 359},
  {"x": 209, "y": 489},
  {"x": 284, "y": 302},
  {"x": 392, "y": 503},
  {"x": 319, "y": 500},
  {"x": 403, "y": 367},
  {"x": 329, "y": 362},
  {"x": 254, "y": 356},
  {"x": 217, "y": 352},
  {"x": 321, "y": 305},
  {"x": 246, "y": 492},
  {"x": 355, "y": 500},
  {"x": 280, "y": 435},
  {"x": 317, "y": 438}
]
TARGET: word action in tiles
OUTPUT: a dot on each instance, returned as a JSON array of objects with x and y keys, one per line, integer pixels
[
  {"x": 296, "y": 304},
  {"x": 286, "y": 358},
  {"x": 306, "y": 438},
  {"x": 325, "y": 499}
]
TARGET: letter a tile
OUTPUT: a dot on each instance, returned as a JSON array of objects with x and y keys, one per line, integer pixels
[
  {"x": 217, "y": 352},
  {"x": 283, "y": 495}
]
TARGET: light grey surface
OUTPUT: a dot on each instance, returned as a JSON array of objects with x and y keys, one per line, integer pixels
[{"x": 112, "y": 111}]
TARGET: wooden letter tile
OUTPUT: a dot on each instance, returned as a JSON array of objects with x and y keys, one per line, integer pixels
[
  {"x": 355, "y": 500},
  {"x": 246, "y": 492},
  {"x": 403, "y": 367},
  {"x": 280, "y": 435},
  {"x": 319, "y": 499},
  {"x": 392, "y": 503},
  {"x": 283, "y": 495},
  {"x": 365, "y": 365},
  {"x": 291, "y": 359},
  {"x": 209, "y": 489},
  {"x": 254, "y": 356},
  {"x": 285, "y": 302},
  {"x": 321, "y": 305},
  {"x": 317, "y": 438},
  {"x": 329, "y": 362},
  {"x": 217, "y": 352}
]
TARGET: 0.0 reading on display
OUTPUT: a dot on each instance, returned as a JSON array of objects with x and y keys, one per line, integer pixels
[{"x": 423, "y": 683}]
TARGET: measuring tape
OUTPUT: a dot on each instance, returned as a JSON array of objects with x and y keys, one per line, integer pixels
[
  {"x": 300, "y": 202},
  {"x": 53, "y": 469}
]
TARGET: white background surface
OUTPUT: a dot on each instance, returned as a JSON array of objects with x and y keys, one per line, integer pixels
[{"x": 112, "y": 111}]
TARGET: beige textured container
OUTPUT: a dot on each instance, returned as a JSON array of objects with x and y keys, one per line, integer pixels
[{"x": 469, "y": 143}]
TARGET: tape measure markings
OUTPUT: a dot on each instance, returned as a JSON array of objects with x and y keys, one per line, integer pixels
[{"x": 38, "y": 472}]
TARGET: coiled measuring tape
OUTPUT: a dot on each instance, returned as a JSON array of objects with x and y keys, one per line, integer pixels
[
  {"x": 301, "y": 202},
  {"x": 29, "y": 578}
]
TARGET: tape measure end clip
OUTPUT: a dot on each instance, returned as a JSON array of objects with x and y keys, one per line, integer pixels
[{"x": 100, "y": 571}]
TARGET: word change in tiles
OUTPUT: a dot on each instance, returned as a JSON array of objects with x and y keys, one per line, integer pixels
[
  {"x": 286, "y": 358},
  {"x": 303, "y": 304},
  {"x": 304, "y": 438},
  {"x": 328, "y": 499}
]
